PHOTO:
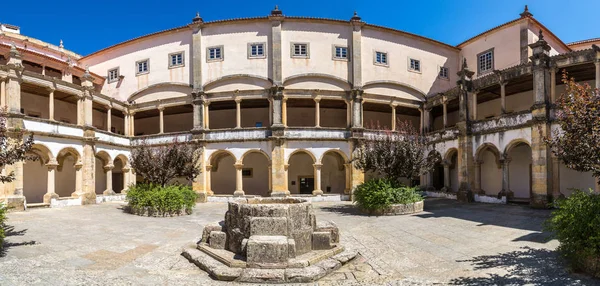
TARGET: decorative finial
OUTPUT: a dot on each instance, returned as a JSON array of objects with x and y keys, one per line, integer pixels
[
  {"x": 61, "y": 44},
  {"x": 464, "y": 65},
  {"x": 197, "y": 18},
  {"x": 526, "y": 13},
  {"x": 276, "y": 11},
  {"x": 13, "y": 47},
  {"x": 540, "y": 36},
  {"x": 87, "y": 69},
  {"x": 355, "y": 17}
]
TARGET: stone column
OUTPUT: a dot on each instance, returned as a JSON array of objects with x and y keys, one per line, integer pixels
[
  {"x": 13, "y": 86},
  {"x": 209, "y": 190},
  {"x": 198, "y": 101},
  {"x": 239, "y": 180},
  {"x": 132, "y": 123},
  {"x": 541, "y": 163},
  {"x": 447, "y": 184},
  {"x": 473, "y": 105},
  {"x": 477, "y": 187},
  {"x": 109, "y": 187},
  {"x": 270, "y": 178},
  {"x": 206, "y": 115},
  {"x": 427, "y": 119},
  {"x": 79, "y": 112},
  {"x": 465, "y": 160},
  {"x": 284, "y": 112},
  {"x": 317, "y": 112},
  {"x": 503, "y": 97},
  {"x": 597, "y": 64},
  {"x": 348, "y": 182},
  {"x": 357, "y": 109},
  {"x": 109, "y": 118},
  {"x": 238, "y": 112},
  {"x": 279, "y": 182},
  {"x": 50, "y": 190},
  {"x": 421, "y": 120},
  {"x": 556, "y": 194},
  {"x": 126, "y": 123},
  {"x": 505, "y": 161},
  {"x": 2, "y": 91},
  {"x": 199, "y": 182},
  {"x": 317, "y": 191},
  {"x": 161, "y": 119},
  {"x": 356, "y": 50},
  {"x": 278, "y": 110},
  {"x": 127, "y": 181},
  {"x": 393, "y": 106},
  {"x": 78, "y": 179},
  {"x": 196, "y": 52},
  {"x": 553, "y": 84},
  {"x": 445, "y": 112},
  {"x": 357, "y": 176},
  {"x": 276, "y": 17},
  {"x": 51, "y": 104}
]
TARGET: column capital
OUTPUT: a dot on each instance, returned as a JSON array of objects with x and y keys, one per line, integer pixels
[
  {"x": 276, "y": 91},
  {"x": 52, "y": 164},
  {"x": 237, "y": 99},
  {"x": 393, "y": 104},
  {"x": 317, "y": 99},
  {"x": 50, "y": 89},
  {"x": 109, "y": 167},
  {"x": 238, "y": 166},
  {"x": 160, "y": 108},
  {"x": 318, "y": 166},
  {"x": 208, "y": 167},
  {"x": 198, "y": 96}
]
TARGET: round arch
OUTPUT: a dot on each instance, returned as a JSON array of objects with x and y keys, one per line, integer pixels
[
  {"x": 222, "y": 172},
  {"x": 419, "y": 94},
  {"x": 256, "y": 177},
  {"x": 172, "y": 86},
  {"x": 262, "y": 81},
  {"x": 335, "y": 151},
  {"x": 324, "y": 81},
  {"x": 105, "y": 157},
  {"x": 479, "y": 153},
  {"x": 514, "y": 143},
  {"x": 489, "y": 168},
  {"x": 66, "y": 182},
  {"x": 68, "y": 151},
  {"x": 301, "y": 166},
  {"x": 312, "y": 156},
  {"x": 251, "y": 151},
  {"x": 450, "y": 153},
  {"x": 42, "y": 152},
  {"x": 335, "y": 178}
]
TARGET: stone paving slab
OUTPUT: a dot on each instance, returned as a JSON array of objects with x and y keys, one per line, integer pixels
[{"x": 450, "y": 243}]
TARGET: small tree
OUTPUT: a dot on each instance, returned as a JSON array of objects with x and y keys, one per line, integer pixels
[
  {"x": 161, "y": 164},
  {"x": 577, "y": 143},
  {"x": 396, "y": 154},
  {"x": 12, "y": 147}
]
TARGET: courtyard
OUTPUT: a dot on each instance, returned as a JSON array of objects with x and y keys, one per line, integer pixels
[{"x": 450, "y": 243}]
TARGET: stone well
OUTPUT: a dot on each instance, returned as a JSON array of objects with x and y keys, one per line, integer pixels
[{"x": 269, "y": 240}]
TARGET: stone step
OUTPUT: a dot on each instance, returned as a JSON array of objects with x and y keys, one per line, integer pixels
[{"x": 38, "y": 205}]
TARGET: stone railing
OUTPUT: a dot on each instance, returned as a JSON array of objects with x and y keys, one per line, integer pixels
[
  {"x": 507, "y": 121},
  {"x": 156, "y": 139},
  {"x": 51, "y": 127},
  {"x": 237, "y": 134},
  {"x": 316, "y": 133},
  {"x": 104, "y": 136},
  {"x": 449, "y": 133}
]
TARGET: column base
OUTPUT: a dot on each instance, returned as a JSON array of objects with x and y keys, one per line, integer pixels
[
  {"x": 479, "y": 191},
  {"x": 86, "y": 198},
  {"x": 109, "y": 193},
  {"x": 238, "y": 193},
  {"x": 210, "y": 193},
  {"x": 280, "y": 193},
  {"x": 201, "y": 197},
  {"x": 465, "y": 196},
  {"x": 539, "y": 201},
  {"x": 15, "y": 203},
  {"x": 446, "y": 189},
  {"x": 317, "y": 192},
  {"x": 508, "y": 194},
  {"x": 49, "y": 196}
]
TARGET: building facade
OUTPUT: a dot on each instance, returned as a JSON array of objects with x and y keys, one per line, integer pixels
[{"x": 277, "y": 105}]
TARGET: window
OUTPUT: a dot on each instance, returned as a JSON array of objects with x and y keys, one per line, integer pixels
[
  {"x": 300, "y": 50},
  {"x": 214, "y": 54},
  {"x": 381, "y": 58},
  {"x": 485, "y": 62},
  {"x": 443, "y": 72},
  {"x": 113, "y": 75},
  {"x": 340, "y": 53},
  {"x": 414, "y": 65},
  {"x": 176, "y": 60},
  {"x": 256, "y": 50},
  {"x": 142, "y": 67}
]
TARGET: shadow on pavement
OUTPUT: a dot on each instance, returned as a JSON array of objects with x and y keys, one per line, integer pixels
[
  {"x": 527, "y": 266},
  {"x": 8, "y": 232}
]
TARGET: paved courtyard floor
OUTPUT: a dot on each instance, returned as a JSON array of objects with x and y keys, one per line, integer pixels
[{"x": 448, "y": 244}]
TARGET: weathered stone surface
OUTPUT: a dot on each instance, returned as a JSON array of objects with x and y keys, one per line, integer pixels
[
  {"x": 303, "y": 240},
  {"x": 345, "y": 256},
  {"x": 267, "y": 251},
  {"x": 268, "y": 226},
  {"x": 291, "y": 248},
  {"x": 215, "y": 268},
  {"x": 330, "y": 227},
  {"x": 262, "y": 275},
  {"x": 234, "y": 240},
  {"x": 217, "y": 239},
  {"x": 329, "y": 265},
  {"x": 304, "y": 275},
  {"x": 321, "y": 240},
  {"x": 270, "y": 210},
  {"x": 216, "y": 226}
]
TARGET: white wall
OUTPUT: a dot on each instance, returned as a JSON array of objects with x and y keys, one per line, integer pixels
[
  {"x": 519, "y": 171},
  {"x": 570, "y": 178},
  {"x": 258, "y": 184},
  {"x": 491, "y": 175},
  {"x": 223, "y": 180},
  {"x": 332, "y": 174},
  {"x": 65, "y": 178},
  {"x": 35, "y": 181}
]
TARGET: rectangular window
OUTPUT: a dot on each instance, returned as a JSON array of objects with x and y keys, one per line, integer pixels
[
  {"x": 443, "y": 72},
  {"x": 300, "y": 50},
  {"x": 142, "y": 67},
  {"x": 256, "y": 50},
  {"x": 414, "y": 65},
  {"x": 340, "y": 53},
  {"x": 176, "y": 60},
  {"x": 485, "y": 62},
  {"x": 113, "y": 75},
  {"x": 381, "y": 58},
  {"x": 214, "y": 53}
]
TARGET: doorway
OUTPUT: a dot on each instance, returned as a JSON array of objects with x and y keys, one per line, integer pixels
[{"x": 306, "y": 184}]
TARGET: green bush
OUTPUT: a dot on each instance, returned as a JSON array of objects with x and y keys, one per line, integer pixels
[
  {"x": 155, "y": 200},
  {"x": 576, "y": 225},
  {"x": 378, "y": 194},
  {"x": 2, "y": 219}
]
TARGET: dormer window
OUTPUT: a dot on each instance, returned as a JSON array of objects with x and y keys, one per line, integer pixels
[
  {"x": 485, "y": 62},
  {"x": 113, "y": 75}
]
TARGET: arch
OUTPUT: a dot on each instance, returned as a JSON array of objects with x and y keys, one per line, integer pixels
[
  {"x": 489, "y": 147},
  {"x": 514, "y": 143},
  {"x": 68, "y": 151},
  {"x": 105, "y": 157},
  {"x": 42, "y": 152},
  {"x": 342, "y": 156},
  {"x": 419, "y": 93},
  {"x": 124, "y": 159},
  {"x": 254, "y": 151},
  {"x": 222, "y": 172},
  {"x": 232, "y": 77},
  {"x": 346, "y": 85},
  {"x": 301, "y": 150},
  {"x": 216, "y": 156},
  {"x": 164, "y": 85},
  {"x": 449, "y": 153}
]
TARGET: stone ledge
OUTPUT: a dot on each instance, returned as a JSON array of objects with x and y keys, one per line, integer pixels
[
  {"x": 401, "y": 209},
  {"x": 151, "y": 212},
  {"x": 314, "y": 271}
]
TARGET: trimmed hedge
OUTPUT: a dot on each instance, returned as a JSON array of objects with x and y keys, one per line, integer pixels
[
  {"x": 2, "y": 219},
  {"x": 576, "y": 225},
  {"x": 378, "y": 194},
  {"x": 155, "y": 200}
]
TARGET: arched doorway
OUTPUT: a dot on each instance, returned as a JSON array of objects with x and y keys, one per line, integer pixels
[
  {"x": 334, "y": 178},
  {"x": 451, "y": 160},
  {"x": 103, "y": 163},
  {"x": 68, "y": 177},
  {"x": 437, "y": 174},
  {"x": 222, "y": 173},
  {"x": 35, "y": 174},
  {"x": 119, "y": 180},
  {"x": 519, "y": 156},
  {"x": 487, "y": 158},
  {"x": 255, "y": 173},
  {"x": 301, "y": 173}
]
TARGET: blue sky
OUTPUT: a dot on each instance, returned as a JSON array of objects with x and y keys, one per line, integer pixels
[{"x": 92, "y": 25}]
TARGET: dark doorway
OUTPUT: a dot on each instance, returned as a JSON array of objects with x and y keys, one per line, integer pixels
[{"x": 306, "y": 185}]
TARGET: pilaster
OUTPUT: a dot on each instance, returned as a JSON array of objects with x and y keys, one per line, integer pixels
[
  {"x": 356, "y": 49},
  {"x": 51, "y": 183},
  {"x": 196, "y": 51},
  {"x": 279, "y": 180},
  {"x": 466, "y": 161},
  {"x": 276, "y": 17},
  {"x": 239, "y": 180},
  {"x": 357, "y": 112},
  {"x": 199, "y": 183}
]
